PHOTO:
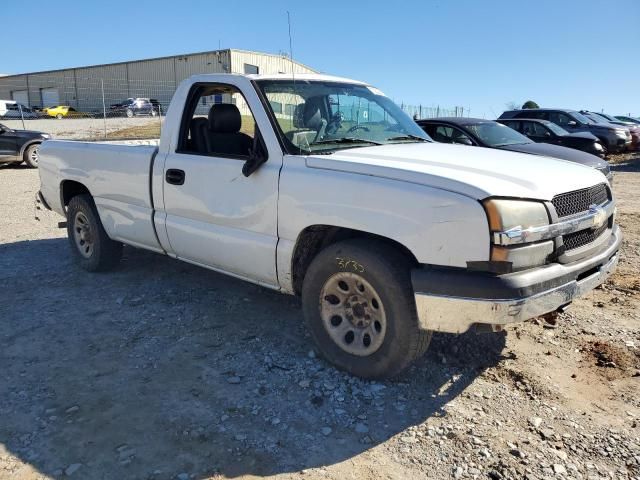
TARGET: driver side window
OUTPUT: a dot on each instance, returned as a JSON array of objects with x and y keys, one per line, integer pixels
[
  {"x": 559, "y": 118},
  {"x": 217, "y": 122}
]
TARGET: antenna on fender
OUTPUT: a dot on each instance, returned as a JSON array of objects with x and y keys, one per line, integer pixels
[{"x": 293, "y": 75}]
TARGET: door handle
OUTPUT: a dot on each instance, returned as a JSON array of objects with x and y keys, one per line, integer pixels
[{"x": 175, "y": 176}]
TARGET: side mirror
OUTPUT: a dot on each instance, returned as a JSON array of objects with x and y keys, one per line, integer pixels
[
  {"x": 257, "y": 157},
  {"x": 547, "y": 134},
  {"x": 572, "y": 123}
]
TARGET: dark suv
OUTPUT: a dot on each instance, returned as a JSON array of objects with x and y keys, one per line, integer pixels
[
  {"x": 17, "y": 146},
  {"x": 543, "y": 131},
  {"x": 136, "y": 106},
  {"x": 613, "y": 138}
]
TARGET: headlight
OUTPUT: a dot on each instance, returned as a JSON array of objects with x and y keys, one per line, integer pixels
[
  {"x": 605, "y": 170},
  {"x": 507, "y": 214},
  {"x": 517, "y": 215},
  {"x": 46, "y": 136},
  {"x": 597, "y": 146}
]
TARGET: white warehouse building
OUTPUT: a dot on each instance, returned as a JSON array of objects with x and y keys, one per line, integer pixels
[{"x": 88, "y": 88}]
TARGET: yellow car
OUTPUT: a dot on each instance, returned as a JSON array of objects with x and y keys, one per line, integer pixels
[{"x": 62, "y": 111}]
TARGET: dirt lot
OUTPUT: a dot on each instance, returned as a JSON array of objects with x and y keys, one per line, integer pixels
[
  {"x": 161, "y": 370},
  {"x": 118, "y": 128}
]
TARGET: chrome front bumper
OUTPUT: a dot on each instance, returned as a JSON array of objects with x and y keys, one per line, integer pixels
[{"x": 535, "y": 293}]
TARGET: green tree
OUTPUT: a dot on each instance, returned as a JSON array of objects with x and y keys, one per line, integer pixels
[{"x": 530, "y": 104}]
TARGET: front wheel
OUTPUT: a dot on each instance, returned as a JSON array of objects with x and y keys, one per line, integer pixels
[
  {"x": 129, "y": 113},
  {"x": 90, "y": 244},
  {"x": 31, "y": 155},
  {"x": 359, "y": 306},
  {"x": 59, "y": 116}
]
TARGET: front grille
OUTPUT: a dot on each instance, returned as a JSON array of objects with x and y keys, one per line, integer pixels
[
  {"x": 578, "y": 201},
  {"x": 583, "y": 237}
]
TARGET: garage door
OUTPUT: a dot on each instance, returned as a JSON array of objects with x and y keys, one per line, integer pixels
[
  {"x": 50, "y": 97},
  {"x": 21, "y": 96}
]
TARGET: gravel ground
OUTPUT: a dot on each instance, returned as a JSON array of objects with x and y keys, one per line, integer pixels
[
  {"x": 161, "y": 370},
  {"x": 80, "y": 128}
]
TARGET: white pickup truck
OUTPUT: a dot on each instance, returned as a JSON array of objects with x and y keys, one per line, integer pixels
[{"x": 322, "y": 187}]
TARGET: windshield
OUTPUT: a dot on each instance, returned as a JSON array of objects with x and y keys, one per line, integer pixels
[
  {"x": 555, "y": 128},
  {"x": 314, "y": 116},
  {"x": 582, "y": 119},
  {"x": 495, "y": 134}
]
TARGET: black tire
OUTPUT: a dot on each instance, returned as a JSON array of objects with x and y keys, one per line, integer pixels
[
  {"x": 388, "y": 272},
  {"x": 105, "y": 253},
  {"x": 129, "y": 113},
  {"x": 30, "y": 155},
  {"x": 59, "y": 116}
]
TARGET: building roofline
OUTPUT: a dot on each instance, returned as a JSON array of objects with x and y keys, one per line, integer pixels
[
  {"x": 224, "y": 50},
  {"x": 284, "y": 57}
]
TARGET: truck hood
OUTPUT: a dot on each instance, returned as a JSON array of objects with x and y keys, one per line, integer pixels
[
  {"x": 472, "y": 171},
  {"x": 557, "y": 151}
]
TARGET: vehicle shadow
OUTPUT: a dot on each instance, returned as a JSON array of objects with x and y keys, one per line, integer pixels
[
  {"x": 161, "y": 368},
  {"x": 631, "y": 164}
]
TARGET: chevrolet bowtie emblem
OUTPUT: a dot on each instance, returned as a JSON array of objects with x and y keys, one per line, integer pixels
[{"x": 599, "y": 216}]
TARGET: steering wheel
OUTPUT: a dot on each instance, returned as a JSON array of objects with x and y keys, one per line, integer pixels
[
  {"x": 335, "y": 123},
  {"x": 358, "y": 127}
]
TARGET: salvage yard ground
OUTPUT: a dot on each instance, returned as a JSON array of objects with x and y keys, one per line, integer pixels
[{"x": 162, "y": 370}]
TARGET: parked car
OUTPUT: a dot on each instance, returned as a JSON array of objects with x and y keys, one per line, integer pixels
[
  {"x": 628, "y": 119},
  {"x": 64, "y": 111},
  {"x": 386, "y": 235},
  {"x": 490, "y": 134},
  {"x": 634, "y": 129},
  {"x": 613, "y": 138},
  {"x": 543, "y": 131},
  {"x": 136, "y": 106},
  {"x": 10, "y": 109},
  {"x": 17, "y": 146}
]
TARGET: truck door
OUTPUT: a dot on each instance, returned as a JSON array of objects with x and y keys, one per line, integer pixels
[
  {"x": 8, "y": 144},
  {"x": 216, "y": 216}
]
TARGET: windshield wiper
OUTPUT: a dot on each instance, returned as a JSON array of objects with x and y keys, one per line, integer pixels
[
  {"x": 407, "y": 137},
  {"x": 346, "y": 140}
]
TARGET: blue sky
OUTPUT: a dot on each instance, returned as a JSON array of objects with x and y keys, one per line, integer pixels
[{"x": 480, "y": 54}]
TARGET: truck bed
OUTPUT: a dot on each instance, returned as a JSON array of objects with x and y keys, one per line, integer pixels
[{"x": 118, "y": 178}]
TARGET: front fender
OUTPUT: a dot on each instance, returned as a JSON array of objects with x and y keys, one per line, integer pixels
[{"x": 439, "y": 227}]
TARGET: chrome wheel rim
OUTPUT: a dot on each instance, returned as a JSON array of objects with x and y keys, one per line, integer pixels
[
  {"x": 83, "y": 235},
  {"x": 33, "y": 156},
  {"x": 353, "y": 314}
]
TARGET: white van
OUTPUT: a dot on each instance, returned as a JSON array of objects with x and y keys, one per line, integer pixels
[{"x": 11, "y": 109}]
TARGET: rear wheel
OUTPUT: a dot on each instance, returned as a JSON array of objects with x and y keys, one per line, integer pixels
[
  {"x": 31, "y": 155},
  {"x": 129, "y": 113},
  {"x": 59, "y": 116},
  {"x": 91, "y": 246},
  {"x": 360, "y": 309}
]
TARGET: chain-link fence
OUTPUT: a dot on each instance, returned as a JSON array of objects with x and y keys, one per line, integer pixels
[
  {"x": 419, "y": 111},
  {"x": 68, "y": 105},
  {"x": 85, "y": 108}
]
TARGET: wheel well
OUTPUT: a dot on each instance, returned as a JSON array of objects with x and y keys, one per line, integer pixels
[
  {"x": 70, "y": 189},
  {"x": 27, "y": 145},
  {"x": 315, "y": 238}
]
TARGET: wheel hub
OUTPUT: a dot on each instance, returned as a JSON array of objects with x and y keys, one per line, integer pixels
[
  {"x": 82, "y": 235},
  {"x": 353, "y": 314}
]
